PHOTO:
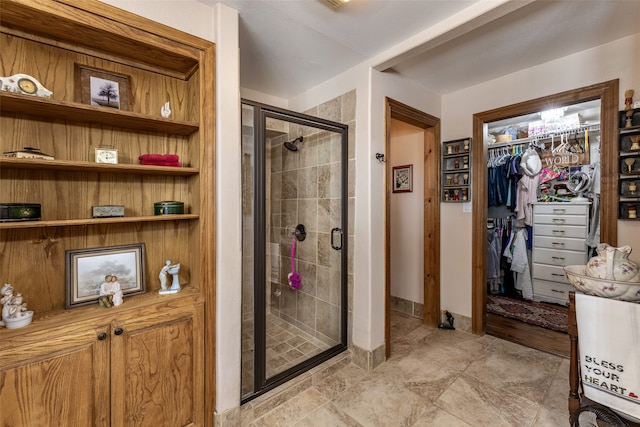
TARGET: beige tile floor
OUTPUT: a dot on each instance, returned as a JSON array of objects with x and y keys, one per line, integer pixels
[
  {"x": 434, "y": 378},
  {"x": 287, "y": 346}
]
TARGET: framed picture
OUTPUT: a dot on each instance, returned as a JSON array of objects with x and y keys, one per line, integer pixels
[
  {"x": 403, "y": 179},
  {"x": 102, "y": 88},
  {"x": 87, "y": 269}
]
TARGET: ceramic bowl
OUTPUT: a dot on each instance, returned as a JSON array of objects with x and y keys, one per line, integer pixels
[
  {"x": 623, "y": 291},
  {"x": 19, "y": 322}
]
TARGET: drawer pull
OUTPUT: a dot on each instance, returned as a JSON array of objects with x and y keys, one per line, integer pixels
[
  {"x": 559, "y": 220},
  {"x": 558, "y": 275},
  {"x": 554, "y": 290},
  {"x": 557, "y": 244},
  {"x": 559, "y": 211},
  {"x": 557, "y": 257},
  {"x": 558, "y": 231}
]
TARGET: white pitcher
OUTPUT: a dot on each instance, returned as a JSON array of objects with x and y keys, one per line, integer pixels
[{"x": 613, "y": 263}]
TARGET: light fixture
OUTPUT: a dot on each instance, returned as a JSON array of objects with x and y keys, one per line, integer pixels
[
  {"x": 334, "y": 4},
  {"x": 553, "y": 114}
]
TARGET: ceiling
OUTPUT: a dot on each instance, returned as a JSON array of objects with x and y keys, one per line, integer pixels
[{"x": 288, "y": 47}]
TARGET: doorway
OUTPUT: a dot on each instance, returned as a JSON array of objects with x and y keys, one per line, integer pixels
[
  {"x": 431, "y": 211},
  {"x": 294, "y": 204},
  {"x": 607, "y": 93}
]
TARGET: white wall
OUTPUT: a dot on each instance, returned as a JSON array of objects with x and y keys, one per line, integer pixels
[
  {"x": 406, "y": 216},
  {"x": 371, "y": 89},
  {"x": 618, "y": 59},
  {"x": 189, "y": 16}
]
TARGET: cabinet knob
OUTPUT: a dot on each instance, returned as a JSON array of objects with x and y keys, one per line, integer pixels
[
  {"x": 118, "y": 331},
  {"x": 102, "y": 336}
]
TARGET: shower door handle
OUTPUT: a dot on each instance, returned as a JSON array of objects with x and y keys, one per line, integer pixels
[{"x": 333, "y": 245}]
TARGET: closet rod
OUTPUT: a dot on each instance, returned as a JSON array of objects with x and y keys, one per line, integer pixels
[{"x": 590, "y": 128}]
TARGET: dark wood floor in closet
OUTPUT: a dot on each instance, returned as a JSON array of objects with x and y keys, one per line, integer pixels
[{"x": 529, "y": 335}]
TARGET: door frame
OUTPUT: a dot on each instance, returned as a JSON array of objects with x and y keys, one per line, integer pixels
[
  {"x": 431, "y": 214},
  {"x": 607, "y": 92}
]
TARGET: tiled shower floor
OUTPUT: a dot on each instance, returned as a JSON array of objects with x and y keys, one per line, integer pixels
[{"x": 287, "y": 346}]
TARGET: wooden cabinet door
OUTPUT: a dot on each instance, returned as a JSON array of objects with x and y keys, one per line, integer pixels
[
  {"x": 158, "y": 369},
  {"x": 61, "y": 378}
]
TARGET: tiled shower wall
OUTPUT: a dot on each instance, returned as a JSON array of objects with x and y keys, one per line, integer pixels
[{"x": 304, "y": 188}]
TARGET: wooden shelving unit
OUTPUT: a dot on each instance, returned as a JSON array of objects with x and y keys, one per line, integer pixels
[
  {"x": 113, "y": 350},
  {"x": 629, "y": 165},
  {"x": 456, "y": 170}
]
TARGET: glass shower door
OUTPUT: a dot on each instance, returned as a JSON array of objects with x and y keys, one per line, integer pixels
[{"x": 299, "y": 238}]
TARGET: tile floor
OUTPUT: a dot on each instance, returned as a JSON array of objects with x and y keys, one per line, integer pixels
[
  {"x": 287, "y": 346},
  {"x": 434, "y": 378}
]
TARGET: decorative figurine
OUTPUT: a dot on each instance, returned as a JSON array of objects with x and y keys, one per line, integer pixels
[
  {"x": 455, "y": 179},
  {"x": 631, "y": 209},
  {"x": 632, "y": 188},
  {"x": 635, "y": 142},
  {"x": 628, "y": 100},
  {"x": 448, "y": 323},
  {"x": 465, "y": 179},
  {"x": 165, "y": 111},
  {"x": 629, "y": 162},
  {"x": 449, "y": 149},
  {"x": 110, "y": 292},
  {"x": 14, "y": 309},
  {"x": 466, "y": 145},
  {"x": 172, "y": 269}
]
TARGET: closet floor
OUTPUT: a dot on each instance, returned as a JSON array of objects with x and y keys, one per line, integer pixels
[{"x": 528, "y": 335}]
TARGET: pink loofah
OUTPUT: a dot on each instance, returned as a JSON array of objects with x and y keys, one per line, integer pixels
[{"x": 294, "y": 278}]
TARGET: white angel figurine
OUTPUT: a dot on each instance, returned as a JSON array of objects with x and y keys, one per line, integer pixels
[{"x": 165, "y": 111}]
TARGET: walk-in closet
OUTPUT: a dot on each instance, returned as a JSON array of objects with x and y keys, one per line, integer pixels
[{"x": 543, "y": 176}]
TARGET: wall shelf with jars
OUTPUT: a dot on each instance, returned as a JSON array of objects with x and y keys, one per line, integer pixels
[
  {"x": 629, "y": 164},
  {"x": 456, "y": 170}
]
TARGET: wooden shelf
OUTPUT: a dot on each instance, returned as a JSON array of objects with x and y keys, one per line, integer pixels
[
  {"x": 67, "y": 165},
  {"x": 52, "y": 109},
  {"x": 95, "y": 221},
  {"x": 107, "y": 33},
  {"x": 44, "y": 322}
]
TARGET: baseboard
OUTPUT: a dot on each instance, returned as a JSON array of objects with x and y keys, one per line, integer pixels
[{"x": 368, "y": 359}]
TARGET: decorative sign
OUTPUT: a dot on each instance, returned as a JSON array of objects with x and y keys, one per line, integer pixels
[
  {"x": 609, "y": 340},
  {"x": 563, "y": 159}
]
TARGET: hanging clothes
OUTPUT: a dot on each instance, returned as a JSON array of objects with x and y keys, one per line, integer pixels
[
  {"x": 527, "y": 196},
  {"x": 494, "y": 252},
  {"x": 520, "y": 264}
]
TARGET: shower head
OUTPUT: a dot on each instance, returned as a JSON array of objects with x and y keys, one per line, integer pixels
[{"x": 291, "y": 145}]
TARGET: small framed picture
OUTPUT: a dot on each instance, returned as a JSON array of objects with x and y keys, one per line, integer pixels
[
  {"x": 88, "y": 269},
  {"x": 403, "y": 179},
  {"x": 102, "y": 88}
]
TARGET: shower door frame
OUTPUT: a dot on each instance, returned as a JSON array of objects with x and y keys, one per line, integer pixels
[{"x": 262, "y": 384}]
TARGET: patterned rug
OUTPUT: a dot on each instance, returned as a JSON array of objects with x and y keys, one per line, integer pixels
[{"x": 548, "y": 316}]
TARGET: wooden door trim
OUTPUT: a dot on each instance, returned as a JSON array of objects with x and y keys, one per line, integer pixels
[
  {"x": 607, "y": 92},
  {"x": 431, "y": 126}
]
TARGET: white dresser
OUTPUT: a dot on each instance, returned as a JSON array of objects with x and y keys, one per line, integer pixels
[{"x": 559, "y": 234}]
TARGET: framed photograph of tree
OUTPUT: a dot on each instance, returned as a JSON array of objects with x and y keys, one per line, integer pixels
[{"x": 102, "y": 88}]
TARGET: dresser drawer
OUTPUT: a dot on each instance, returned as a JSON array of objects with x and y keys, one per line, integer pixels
[
  {"x": 574, "y": 231},
  {"x": 551, "y": 291},
  {"x": 559, "y": 209},
  {"x": 561, "y": 220},
  {"x": 551, "y": 273},
  {"x": 559, "y": 243},
  {"x": 559, "y": 258}
]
